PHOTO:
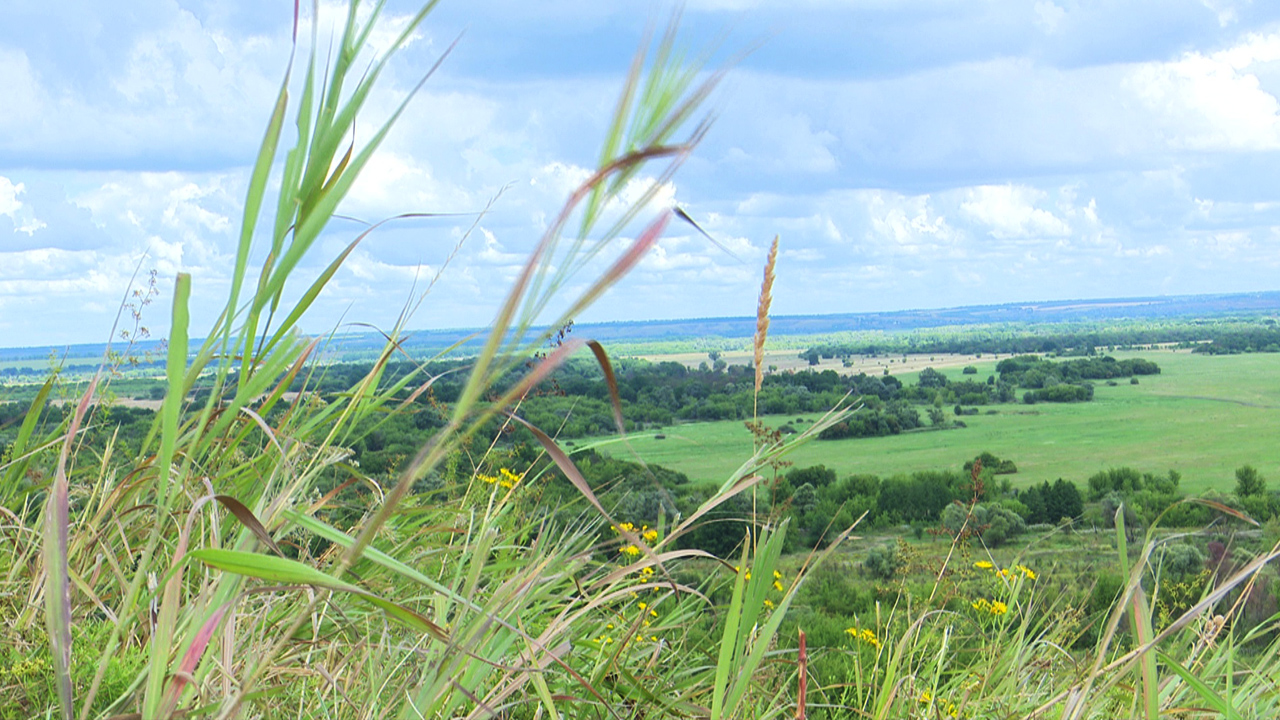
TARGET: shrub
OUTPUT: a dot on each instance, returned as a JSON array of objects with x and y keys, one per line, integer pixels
[{"x": 883, "y": 562}]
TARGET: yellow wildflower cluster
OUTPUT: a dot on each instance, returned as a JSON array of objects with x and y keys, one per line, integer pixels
[
  {"x": 995, "y": 607},
  {"x": 647, "y": 533},
  {"x": 505, "y": 478},
  {"x": 945, "y": 707},
  {"x": 1007, "y": 573},
  {"x": 646, "y": 613},
  {"x": 866, "y": 635}
]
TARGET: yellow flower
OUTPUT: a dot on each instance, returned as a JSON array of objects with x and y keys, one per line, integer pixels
[
  {"x": 646, "y": 571},
  {"x": 631, "y": 550},
  {"x": 866, "y": 635},
  {"x": 1027, "y": 572},
  {"x": 649, "y": 534},
  {"x": 777, "y": 585},
  {"x": 487, "y": 478},
  {"x": 508, "y": 479},
  {"x": 984, "y": 564},
  {"x": 925, "y": 698},
  {"x": 995, "y": 607},
  {"x": 777, "y": 575},
  {"x": 768, "y": 603}
]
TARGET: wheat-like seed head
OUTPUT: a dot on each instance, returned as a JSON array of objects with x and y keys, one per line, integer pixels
[{"x": 762, "y": 311}]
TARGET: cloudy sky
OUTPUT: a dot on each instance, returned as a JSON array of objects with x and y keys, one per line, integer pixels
[{"x": 910, "y": 153}]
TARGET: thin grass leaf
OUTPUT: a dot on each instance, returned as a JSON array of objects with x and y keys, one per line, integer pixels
[
  {"x": 291, "y": 572},
  {"x": 57, "y": 592},
  {"x": 1215, "y": 701},
  {"x": 191, "y": 659},
  {"x": 13, "y": 479}
]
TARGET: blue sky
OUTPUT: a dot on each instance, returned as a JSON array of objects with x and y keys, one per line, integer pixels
[{"x": 910, "y": 153}]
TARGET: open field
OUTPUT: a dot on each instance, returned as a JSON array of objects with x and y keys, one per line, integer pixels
[{"x": 1203, "y": 416}]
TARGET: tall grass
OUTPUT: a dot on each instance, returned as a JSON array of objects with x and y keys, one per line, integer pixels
[
  {"x": 205, "y": 575},
  {"x": 205, "y": 566}
]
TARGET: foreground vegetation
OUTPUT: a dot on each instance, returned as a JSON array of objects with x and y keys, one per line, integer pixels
[{"x": 233, "y": 560}]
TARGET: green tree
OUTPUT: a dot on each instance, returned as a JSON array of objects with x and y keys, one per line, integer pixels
[
  {"x": 930, "y": 378},
  {"x": 1249, "y": 482}
]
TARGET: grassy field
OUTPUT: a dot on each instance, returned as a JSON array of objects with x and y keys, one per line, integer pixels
[{"x": 1203, "y": 416}]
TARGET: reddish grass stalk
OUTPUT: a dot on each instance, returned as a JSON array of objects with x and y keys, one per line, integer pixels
[{"x": 804, "y": 677}]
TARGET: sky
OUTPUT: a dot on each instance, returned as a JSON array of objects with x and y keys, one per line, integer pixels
[{"x": 909, "y": 154}]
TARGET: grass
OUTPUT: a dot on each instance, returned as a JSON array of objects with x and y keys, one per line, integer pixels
[
  {"x": 1203, "y": 416},
  {"x": 206, "y": 575}
]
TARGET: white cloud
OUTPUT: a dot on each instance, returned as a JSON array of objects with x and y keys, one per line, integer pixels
[
  {"x": 1019, "y": 158},
  {"x": 1048, "y": 16},
  {"x": 908, "y": 222},
  {"x": 1010, "y": 212},
  {"x": 1212, "y": 101},
  {"x": 24, "y": 221}
]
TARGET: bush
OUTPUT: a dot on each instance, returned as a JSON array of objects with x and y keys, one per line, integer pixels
[{"x": 883, "y": 562}]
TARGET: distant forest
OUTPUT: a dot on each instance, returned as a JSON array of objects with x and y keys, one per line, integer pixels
[
  {"x": 1207, "y": 337},
  {"x": 575, "y": 401}
]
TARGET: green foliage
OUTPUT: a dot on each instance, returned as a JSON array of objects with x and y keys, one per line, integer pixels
[
  {"x": 994, "y": 525},
  {"x": 27, "y": 683},
  {"x": 883, "y": 562},
  {"x": 1248, "y": 482},
  {"x": 1050, "y": 503}
]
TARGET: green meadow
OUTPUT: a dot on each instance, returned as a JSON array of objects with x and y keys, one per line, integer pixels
[{"x": 1203, "y": 416}]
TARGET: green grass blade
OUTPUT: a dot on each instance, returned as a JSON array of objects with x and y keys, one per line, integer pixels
[
  {"x": 732, "y": 638},
  {"x": 176, "y": 370},
  {"x": 253, "y": 200},
  {"x": 292, "y": 572},
  {"x": 13, "y": 479},
  {"x": 1215, "y": 701}
]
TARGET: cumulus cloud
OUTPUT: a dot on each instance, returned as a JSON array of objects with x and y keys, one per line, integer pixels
[
  {"x": 1213, "y": 101},
  {"x": 20, "y": 216},
  {"x": 1010, "y": 212},
  {"x": 907, "y": 157}
]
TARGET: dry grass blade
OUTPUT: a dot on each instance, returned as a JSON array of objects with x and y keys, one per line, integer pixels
[
  {"x": 57, "y": 593},
  {"x": 606, "y": 367},
  {"x": 249, "y": 520}
]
